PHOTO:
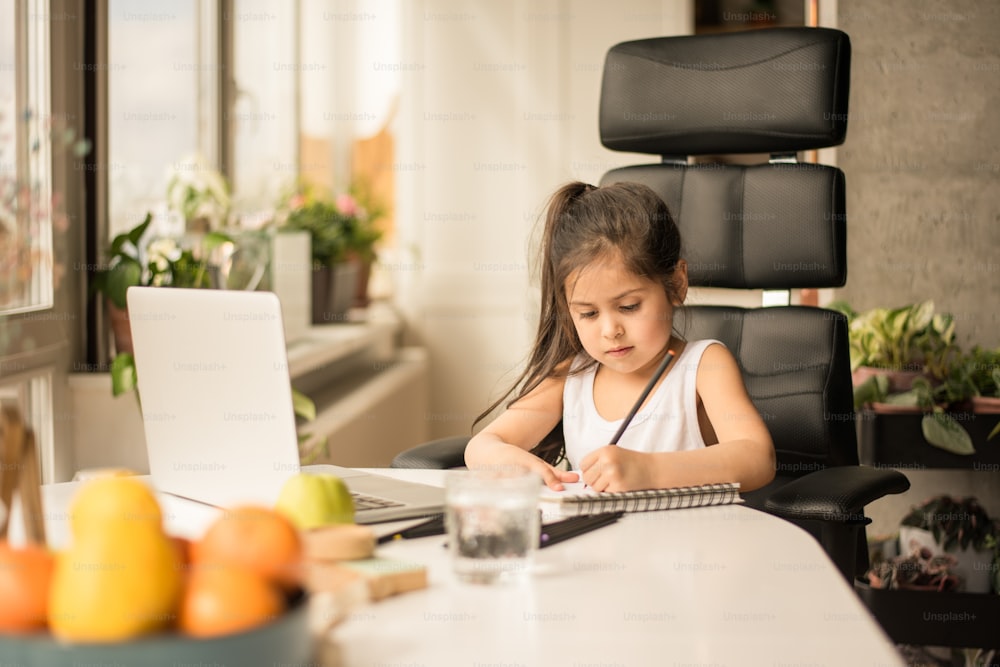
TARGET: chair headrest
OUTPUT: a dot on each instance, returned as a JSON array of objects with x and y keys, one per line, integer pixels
[
  {"x": 775, "y": 90},
  {"x": 767, "y": 226}
]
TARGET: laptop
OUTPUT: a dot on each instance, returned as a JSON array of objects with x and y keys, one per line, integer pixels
[{"x": 217, "y": 408}]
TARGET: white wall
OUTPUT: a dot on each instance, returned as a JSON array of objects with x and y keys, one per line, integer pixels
[{"x": 499, "y": 107}]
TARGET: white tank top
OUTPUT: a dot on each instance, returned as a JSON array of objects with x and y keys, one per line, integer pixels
[{"x": 667, "y": 423}]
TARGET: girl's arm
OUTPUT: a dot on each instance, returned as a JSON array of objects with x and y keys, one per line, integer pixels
[
  {"x": 520, "y": 427},
  {"x": 743, "y": 452}
]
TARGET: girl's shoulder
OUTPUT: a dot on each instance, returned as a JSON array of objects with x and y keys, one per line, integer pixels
[
  {"x": 716, "y": 363},
  {"x": 695, "y": 350}
]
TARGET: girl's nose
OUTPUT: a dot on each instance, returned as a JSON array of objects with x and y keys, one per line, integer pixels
[{"x": 611, "y": 328}]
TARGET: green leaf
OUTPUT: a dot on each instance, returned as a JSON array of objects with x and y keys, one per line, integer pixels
[
  {"x": 942, "y": 431},
  {"x": 123, "y": 375},
  {"x": 135, "y": 234},
  {"x": 213, "y": 240},
  {"x": 921, "y": 315},
  {"x": 119, "y": 278},
  {"x": 872, "y": 390},
  {"x": 911, "y": 398},
  {"x": 303, "y": 405},
  {"x": 994, "y": 432}
]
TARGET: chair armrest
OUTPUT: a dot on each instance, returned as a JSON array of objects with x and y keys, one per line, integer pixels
[
  {"x": 835, "y": 494},
  {"x": 435, "y": 455}
]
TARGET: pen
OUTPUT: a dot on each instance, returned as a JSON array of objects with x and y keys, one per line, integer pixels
[
  {"x": 642, "y": 397},
  {"x": 433, "y": 526},
  {"x": 553, "y": 533}
]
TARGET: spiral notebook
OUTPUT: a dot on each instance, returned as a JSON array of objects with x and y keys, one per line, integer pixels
[{"x": 579, "y": 499}]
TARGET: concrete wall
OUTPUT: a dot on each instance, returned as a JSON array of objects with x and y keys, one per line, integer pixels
[
  {"x": 922, "y": 158},
  {"x": 922, "y": 161}
]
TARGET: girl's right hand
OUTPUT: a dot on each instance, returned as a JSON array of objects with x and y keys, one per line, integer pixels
[
  {"x": 554, "y": 477},
  {"x": 487, "y": 451}
]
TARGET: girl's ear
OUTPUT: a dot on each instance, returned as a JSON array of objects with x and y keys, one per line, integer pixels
[{"x": 680, "y": 279}]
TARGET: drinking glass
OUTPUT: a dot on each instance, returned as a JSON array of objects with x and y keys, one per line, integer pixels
[{"x": 493, "y": 523}]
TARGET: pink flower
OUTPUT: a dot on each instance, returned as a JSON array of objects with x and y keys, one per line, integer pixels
[
  {"x": 347, "y": 205},
  {"x": 297, "y": 202}
]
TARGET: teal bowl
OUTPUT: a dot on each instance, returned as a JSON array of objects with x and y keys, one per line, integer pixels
[{"x": 286, "y": 640}]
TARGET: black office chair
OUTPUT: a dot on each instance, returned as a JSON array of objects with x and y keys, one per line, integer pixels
[{"x": 778, "y": 225}]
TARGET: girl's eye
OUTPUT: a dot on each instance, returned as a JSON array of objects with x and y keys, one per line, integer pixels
[
  {"x": 629, "y": 308},
  {"x": 590, "y": 314}
]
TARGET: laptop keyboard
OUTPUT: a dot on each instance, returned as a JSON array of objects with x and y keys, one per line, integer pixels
[{"x": 366, "y": 502}]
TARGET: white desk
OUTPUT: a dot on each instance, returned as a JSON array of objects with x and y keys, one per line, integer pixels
[{"x": 705, "y": 586}]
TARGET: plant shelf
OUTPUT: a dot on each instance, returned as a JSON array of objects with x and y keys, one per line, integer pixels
[
  {"x": 932, "y": 618},
  {"x": 896, "y": 441}
]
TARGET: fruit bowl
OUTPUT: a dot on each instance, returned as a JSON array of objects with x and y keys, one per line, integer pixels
[{"x": 286, "y": 640}]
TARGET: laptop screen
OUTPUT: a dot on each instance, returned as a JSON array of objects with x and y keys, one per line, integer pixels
[{"x": 215, "y": 393}]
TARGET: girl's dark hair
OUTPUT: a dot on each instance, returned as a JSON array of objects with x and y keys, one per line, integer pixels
[{"x": 584, "y": 223}]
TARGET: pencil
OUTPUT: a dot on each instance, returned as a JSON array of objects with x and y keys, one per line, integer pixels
[{"x": 642, "y": 397}]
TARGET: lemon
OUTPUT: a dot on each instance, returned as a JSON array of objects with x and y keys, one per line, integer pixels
[{"x": 121, "y": 575}]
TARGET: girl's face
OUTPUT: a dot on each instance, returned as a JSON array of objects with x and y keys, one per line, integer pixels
[{"x": 623, "y": 320}]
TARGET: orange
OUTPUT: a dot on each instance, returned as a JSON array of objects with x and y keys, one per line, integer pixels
[
  {"x": 257, "y": 538},
  {"x": 221, "y": 600},
  {"x": 25, "y": 577},
  {"x": 183, "y": 546}
]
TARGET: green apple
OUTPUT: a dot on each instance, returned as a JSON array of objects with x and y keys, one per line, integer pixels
[{"x": 314, "y": 500}]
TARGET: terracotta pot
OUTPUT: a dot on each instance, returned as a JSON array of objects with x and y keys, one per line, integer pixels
[
  {"x": 361, "y": 299},
  {"x": 890, "y": 409},
  {"x": 898, "y": 380},
  {"x": 985, "y": 405},
  {"x": 120, "y": 328}
]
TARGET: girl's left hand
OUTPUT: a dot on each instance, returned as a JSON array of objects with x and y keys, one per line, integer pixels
[{"x": 613, "y": 468}]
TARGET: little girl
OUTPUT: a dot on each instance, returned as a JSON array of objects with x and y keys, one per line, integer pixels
[{"x": 611, "y": 278}]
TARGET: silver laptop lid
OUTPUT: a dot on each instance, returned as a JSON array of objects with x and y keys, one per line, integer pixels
[{"x": 215, "y": 392}]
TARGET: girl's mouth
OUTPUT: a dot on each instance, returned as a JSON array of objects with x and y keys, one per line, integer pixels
[{"x": 619, "y": 351}]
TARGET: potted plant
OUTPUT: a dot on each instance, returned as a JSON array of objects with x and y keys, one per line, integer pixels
[
  {"x": 960, "y": 527},
  {"x": 361, "y": 211},
  {"x": 982, "y": 369},
  {"x": 343, "y": 248},
  {"x": 899, "y": 343},
  {"x": 334, "y": 279},
  {"x": 920, "y": 569},
  {"x": 159, "y": 263}
]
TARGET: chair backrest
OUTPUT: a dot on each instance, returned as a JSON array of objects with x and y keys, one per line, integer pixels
[{"x": 780, "y": 224}]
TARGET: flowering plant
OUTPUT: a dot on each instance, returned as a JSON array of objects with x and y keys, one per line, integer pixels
[
  {"x": 161, "y": 263},
  {"x": 199, "y": 193},
  {"x": 340, "y": 227}
]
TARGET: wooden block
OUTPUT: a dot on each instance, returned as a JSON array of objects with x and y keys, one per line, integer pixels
[
  {"x": 384, "y": 577},
  {"x": 389, "y": 577},
  {"x": 339, "y": 542}
]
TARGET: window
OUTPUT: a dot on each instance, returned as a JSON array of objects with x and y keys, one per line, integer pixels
[
  {"x": 26, "y": 205},
  {"x": 39, "y": 140},
  {"x": 267, "y": 92},
  {"x": 160, "y": 110}
]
